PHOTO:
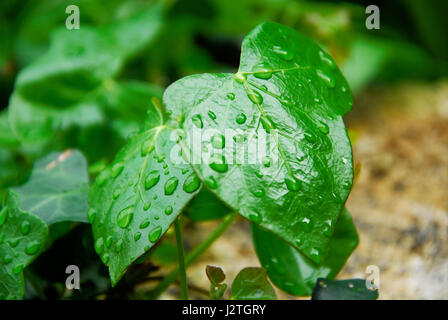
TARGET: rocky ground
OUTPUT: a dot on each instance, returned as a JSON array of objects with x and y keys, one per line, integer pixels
[{"x": 399, "y": 202}]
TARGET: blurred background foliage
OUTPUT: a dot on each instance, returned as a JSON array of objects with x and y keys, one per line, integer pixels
[{"x": 196, "y": 36}]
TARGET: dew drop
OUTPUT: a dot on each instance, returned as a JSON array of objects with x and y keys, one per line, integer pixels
[
  {"x": 117, "y": 169},
  {"x": 328, "y": 80},
  {"x": 283, "y": 53},
  {"x": 264, "y": 74},
  {"x": 241, "y": 118},
  {"x": 212, "y": 115},
  {"x": 146, "y": 206},
  {"x": 105, "y": 258},
  {"x": 255, "y": 217},
  {"x": 91, "y": 214},
  {"x": 191, "y": 183},
  {"x": 218, "y": 141},
  {"x": 292, "y": 184},
  {"x": 211, "y": 182},
  {"x": 170, "y": 185},
  {"x": 230, "y": 96},
  {"x": 124, "y": 218},
  {"x": 267, "y": 162},
  {"x": 144, "y": 224},
  {"x": 137, "y": 236},
  {"x": 219, "y": 164},
  {"x": 323, "y": 127},
  {"x": 155, "y": 234},
  {"x": 17, "y": 269},
  {"x": 168, "y": 210},
  {"x": 254, "y": 96},
  {"x": 197, "y": 121},
  {"x": 267, "y": 123},
  {"x": 99, "y": 245},
  {"x": 326, "y": 59},
  {"x": 259, "y": 193},
  {"x": 152, "y": 179},
  {"x": 32, "y": 248},
  {"x": 109, "y": 241},
  {"x": 119, "y": 245},
  {"x": 25, "y": 227},
  {"x": 306, "y": 224}
]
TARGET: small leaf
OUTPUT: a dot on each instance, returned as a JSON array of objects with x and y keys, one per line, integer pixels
[
  {"x": 291, "y": 92},
  {"x": 206, "y": 206},
  {"x": 57, "y": 189},
  {"x": 23, "y": 237},
  {"x": 136, "y": 199},
  {"x": 252, "y": 284},
  {"x": 353, "y": 289},
  {"x": 294, "y": 273},
  {"x": 215, "y": 274}
]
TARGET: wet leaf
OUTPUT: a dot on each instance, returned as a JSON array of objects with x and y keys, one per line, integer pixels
[
  {"x": 252, "y": 284},
  {"x": 58, "y": 188},
  {"x": 136, "y": 199},
  {"x": 353, "y": 289},
  {"x": 22, "y": 238},
  {"x": 294, "y": 273},
  {"x": 287, "y": 91}
]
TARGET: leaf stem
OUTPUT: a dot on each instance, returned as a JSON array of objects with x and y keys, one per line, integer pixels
[
  {"x": 181, "y": 259},
  {"x": 193, "y": 255}
]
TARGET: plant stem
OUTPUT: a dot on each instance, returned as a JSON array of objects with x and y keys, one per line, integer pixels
[
  {"x": 193, "y": 255},
  {"x": 181, "y": 259}
]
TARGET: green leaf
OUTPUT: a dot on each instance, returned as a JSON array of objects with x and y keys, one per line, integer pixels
[
  {"x": 289, "y": 88},
  {"x": 216, "y": 275},
  {"x": 252, "y": 284},
  {"x": 136, "y": 199},
  {"x": 352, "y": 289},
  {"x": 205, "y": 206},
  {"x": 59, "y": 90},
  {"x": 58, "y": 188},
  {"x": 294, "y": 273},
  {"x": 22, "y": 237}
]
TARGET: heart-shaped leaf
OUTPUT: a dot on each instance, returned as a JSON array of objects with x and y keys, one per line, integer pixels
[
  {"x": 136, "y": 199},
  {"x": 22, "y": 238},
  {"x": 58, "y": 188},
  {"x": 294, "y": 273},
  {"x": 252, "y": 284},
  {"x": 277, "y": 149}
]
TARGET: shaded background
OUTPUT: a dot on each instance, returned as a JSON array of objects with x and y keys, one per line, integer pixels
[{"x": 398, "y": 125}]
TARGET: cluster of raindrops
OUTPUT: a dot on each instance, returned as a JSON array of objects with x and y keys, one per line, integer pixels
[{"x": 32, "y": 247}]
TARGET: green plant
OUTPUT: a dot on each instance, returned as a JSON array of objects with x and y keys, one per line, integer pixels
[{"x": 285, "y": 87}]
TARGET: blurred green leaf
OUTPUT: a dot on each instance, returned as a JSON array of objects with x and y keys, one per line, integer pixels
[
  {"x": 61, "y": 88},
  {"x": 252, "y": 284},
  {"x": 57, "y": 189}
]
